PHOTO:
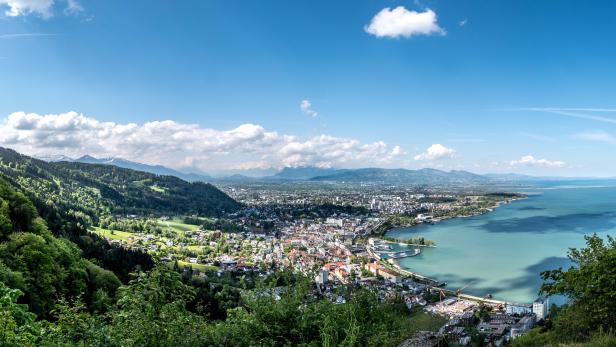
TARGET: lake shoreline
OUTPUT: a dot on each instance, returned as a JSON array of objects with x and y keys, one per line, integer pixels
[
  {"x": 503, "y": 253},
  {"x": 410, "y": 272},
  {"x": 487, "y": 210}
]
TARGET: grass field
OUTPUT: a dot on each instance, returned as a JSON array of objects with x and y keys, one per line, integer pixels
[
  {"x": 200, "y": 267},
  {"x": 176, "y": 226},
  {"x": 113, "y": 235},
  {"x": 158, "y": 189}
]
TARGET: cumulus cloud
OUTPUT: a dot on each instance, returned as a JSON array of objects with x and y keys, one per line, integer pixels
[
  {"x": 598, "y": 136},
  {"x": 397, "y": 151},
  {"x": 178, "y": 145},
  {"x": 402, "y": 22},
  {"x": 306, "y": 107},
  {"x": 42, "y": 8},
  {"x": 73, "y": 7},
  {"x": 435, "y": 152},
  {"x": 25, "y": 7},
  {"x": 529, "y": 160}
]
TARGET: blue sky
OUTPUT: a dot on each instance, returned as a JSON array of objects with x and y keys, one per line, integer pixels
[{"x": 517, "y": 86}]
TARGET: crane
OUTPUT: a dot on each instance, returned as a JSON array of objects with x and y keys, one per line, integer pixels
[
  {"x": 459, "y": 291},
  {"x": 441, "y": 294}
]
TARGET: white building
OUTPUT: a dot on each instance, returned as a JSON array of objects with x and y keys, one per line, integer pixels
[
  {"x": 518, "y": 309},
  {"x": 322, "y": 276},
  {"x": 540, "y": 308}
]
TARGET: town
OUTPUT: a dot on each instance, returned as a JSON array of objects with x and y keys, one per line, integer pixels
[{"x": 336, "y": 237}]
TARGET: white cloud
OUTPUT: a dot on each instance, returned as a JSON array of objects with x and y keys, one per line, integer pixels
[
  {"x": 42, "y": 8},
  {"x": 402, "y": 22},
  {"x": 178, "y": 145},
  {"x": 463, "y": 22},
  {"x": 397, "y": 151},
  {"x": 435, "y": 152},
  {"x": 598, "y": 136},
  {"x": 306, "y": 107},
  {"x": 73, "y": 7},
  {"x": 529, "y": 160},
  {"x": 25, "y": 7}
]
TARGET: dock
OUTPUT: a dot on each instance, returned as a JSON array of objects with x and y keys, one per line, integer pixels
[{"x": 434, "y": 284}]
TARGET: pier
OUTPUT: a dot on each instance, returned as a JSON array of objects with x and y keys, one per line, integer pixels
[
  {"x": 404, "y": 254},
  {"x": 434, "y": 284}
]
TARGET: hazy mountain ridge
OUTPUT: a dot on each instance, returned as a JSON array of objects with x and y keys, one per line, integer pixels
[
  {"x": 426, "y": 176},
  {"x": 390, "y": 176},
  {"x": 304, "y": 172}
]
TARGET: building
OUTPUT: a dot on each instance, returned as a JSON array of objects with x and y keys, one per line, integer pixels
[
  {"x": 334, "y": 221},
  {"x": 540, "y": 308},
  {"x": 379, "y": 270},
  {"x": 322, "y": 276},
  {"x": 522, "y": 327},
  {"x": 518, "y": 309}
]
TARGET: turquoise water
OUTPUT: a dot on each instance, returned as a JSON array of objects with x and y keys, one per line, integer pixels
[{"x": 503, "y": 252}]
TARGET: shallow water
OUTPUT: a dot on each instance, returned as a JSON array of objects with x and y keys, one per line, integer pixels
[{"x": 503, "y": 252}]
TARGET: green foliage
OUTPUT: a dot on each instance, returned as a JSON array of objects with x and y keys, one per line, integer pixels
[
  {"x": 539, "y": 338},
  {"x": 221, "y": 224},
  {"x": 17, "y": 326},
  {"x": 44, "y": 268},
  {"x": 151, "y": 311},
  {"x": 589, "y": 317},
  {"x": 590, "y": 286},
  {"x": 6, "y": 226},
  {"x": 296, "y": 319}
]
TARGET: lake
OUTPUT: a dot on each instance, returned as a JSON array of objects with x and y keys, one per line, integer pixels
[{"x": 503, "y": 252}]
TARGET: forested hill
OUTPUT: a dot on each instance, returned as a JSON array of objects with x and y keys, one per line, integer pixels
[{"x": 93, "y": 190}]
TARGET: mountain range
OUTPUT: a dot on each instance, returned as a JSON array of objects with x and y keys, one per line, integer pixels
[
  {"x": 402, "y": 176},
  {"x": 424, "y": 176}
]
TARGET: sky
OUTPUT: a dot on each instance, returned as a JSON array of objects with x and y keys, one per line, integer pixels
[{"x": 226, "y": 86}]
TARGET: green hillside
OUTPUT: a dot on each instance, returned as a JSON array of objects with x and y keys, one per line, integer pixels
[
  {"x": 91, "y": 190},
  {"x": 50, "y": 295}
]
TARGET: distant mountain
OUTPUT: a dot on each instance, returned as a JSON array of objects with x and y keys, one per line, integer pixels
[
  {"x": 52, "y": 158},
  {"x": 403, "y": 176},
  {"x": 154, "y": 169},
  {"x": 303, "y": 173},
  {"x": 99, "y": 189}
]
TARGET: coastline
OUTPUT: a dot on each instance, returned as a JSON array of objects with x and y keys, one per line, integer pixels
[
  {"x": 478, "y": 213},
  {"x": 435, "y": 283}
]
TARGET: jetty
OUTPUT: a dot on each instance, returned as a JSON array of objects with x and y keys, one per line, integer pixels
[{"x": 433, "y": 284}]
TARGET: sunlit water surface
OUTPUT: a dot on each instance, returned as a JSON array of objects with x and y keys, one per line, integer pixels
[{"x": 503, "y": 252}]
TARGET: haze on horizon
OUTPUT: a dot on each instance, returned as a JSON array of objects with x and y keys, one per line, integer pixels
[{"x": 232, "y": 86}]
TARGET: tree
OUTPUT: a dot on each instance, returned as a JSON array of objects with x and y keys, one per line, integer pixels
[
  {"x": 151, "y": 311},
  {"x": 590, "y": 287},
  {"x": 17, "y": 326}
]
